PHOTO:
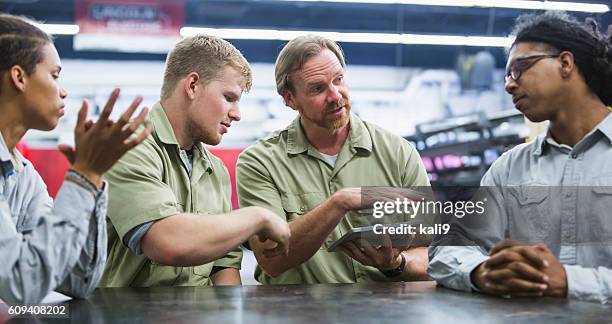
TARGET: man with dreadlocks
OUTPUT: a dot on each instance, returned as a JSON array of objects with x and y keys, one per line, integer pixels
[{"x": 542, "y": 244}]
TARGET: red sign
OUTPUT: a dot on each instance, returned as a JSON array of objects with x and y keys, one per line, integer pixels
[{"x": 128, "y": 25}]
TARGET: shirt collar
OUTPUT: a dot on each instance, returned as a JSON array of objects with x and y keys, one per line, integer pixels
[
  {"x": 163, "y": 129},
  {"x": 162, "y": 125},
  {"x": 6, "y": 165},
  {"x": 204, "y": 153},
  {"x": 5, "y": 155},
  {"x": 296, "y": 139},
  {"x": 359, "y": 136},
  {"x": 604, "y": 127}
]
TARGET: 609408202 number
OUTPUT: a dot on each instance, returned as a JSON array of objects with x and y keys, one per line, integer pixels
[{"x": 38, "y": 310}]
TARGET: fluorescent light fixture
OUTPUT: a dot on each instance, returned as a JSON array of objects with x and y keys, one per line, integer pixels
[
  {"x": 483, "y": 41},
  {"x": 513, "y": 4},
  {"x": 372, "y": 38},
  {"x": 59, "y": 29}
]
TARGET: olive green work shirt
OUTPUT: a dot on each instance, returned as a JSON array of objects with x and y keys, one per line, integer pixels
[
  {"x": 151, "y": 182},
  {"x": 288, "y": 176}
]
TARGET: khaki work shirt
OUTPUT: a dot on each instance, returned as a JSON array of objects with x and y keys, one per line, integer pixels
[
  {"x": 151, "y": 182},
  {"x": 288, "y": 176}
]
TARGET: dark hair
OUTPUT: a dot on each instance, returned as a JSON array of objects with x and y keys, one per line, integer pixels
[
  {"x": 592, "y": 51},
  {"x": 20, "y": 43}
]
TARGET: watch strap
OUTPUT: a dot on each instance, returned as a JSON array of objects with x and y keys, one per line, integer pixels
[{"x": 397, "y": 271}]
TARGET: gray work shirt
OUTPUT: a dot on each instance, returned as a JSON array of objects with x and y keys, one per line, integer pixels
[
  {"x": 573, "y": 214},
  {"x": 47, "y": 246}
]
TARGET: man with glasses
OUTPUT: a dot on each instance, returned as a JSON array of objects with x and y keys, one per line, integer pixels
[
  {"x": 561, "y": 71},
  {"x": 523, "y": 63}
]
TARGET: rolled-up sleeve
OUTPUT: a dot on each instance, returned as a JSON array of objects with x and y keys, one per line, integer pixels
[
  {"x": 58, "y": 245},
  {"x": 232, "y": 259}
]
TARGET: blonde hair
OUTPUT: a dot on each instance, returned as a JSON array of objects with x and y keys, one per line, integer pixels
[
  {"x": 293, "y": 56},
  {"x": 206, "y": 55}
]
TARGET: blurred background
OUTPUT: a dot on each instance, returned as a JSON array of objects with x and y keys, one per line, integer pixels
[{"x": 429, "y": 71}]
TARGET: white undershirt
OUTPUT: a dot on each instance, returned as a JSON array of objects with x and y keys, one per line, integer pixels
[{"x": 330, "y": 159}]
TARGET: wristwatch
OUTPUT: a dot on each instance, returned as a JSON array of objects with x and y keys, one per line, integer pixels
[{"x": 397, "y": 271}]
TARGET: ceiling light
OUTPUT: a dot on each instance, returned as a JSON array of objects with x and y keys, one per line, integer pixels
[
  {"x": 512, "y": 4},
  {"x": 59, "y": 29},
  {"x": 372, "y": 38}
]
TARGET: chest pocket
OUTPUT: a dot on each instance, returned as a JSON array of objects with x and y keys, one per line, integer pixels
[
  {"x": 27, "y": 219},
  {"x": 6, "y": 210},
  {"x": 212, "y": 208},
  {"x": 25, "y": 223},
  {"x": 597, "y": 228},
  {"x": 296, "y": 205},
  {"x": 529, "y": 210}
]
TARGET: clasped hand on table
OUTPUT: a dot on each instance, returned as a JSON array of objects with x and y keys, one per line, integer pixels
[{"x": 520, "y": 270}]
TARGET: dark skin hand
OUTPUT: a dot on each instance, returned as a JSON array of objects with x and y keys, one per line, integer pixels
[
  {"x": 519, "y": 270},
  {"x": 98, "y": 145}
]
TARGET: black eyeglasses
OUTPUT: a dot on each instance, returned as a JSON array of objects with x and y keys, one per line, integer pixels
[{"x": 522, "y": 64}]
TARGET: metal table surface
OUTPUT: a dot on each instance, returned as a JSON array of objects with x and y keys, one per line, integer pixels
[{"x": 417, "y": 302}]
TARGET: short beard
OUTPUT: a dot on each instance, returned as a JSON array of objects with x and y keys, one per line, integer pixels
[
  {"x": 344, "y": 119},
  {"x": 340, "y": 122},
  {"x": 337, "y": 123},
  {"x": 200, "y": 134}
]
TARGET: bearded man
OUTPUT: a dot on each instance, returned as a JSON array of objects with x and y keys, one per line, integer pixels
[{"x": 311, "y": 174}]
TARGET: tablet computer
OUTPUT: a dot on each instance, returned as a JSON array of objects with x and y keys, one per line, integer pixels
[{"x": 400, "y": 234}]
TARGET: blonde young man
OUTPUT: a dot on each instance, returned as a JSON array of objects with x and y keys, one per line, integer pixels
[
  {"x": 170, "y": 218},
  {"x": 309, "y": 175}
]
